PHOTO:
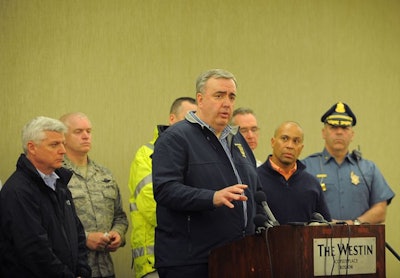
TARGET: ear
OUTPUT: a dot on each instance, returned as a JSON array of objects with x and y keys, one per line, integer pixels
[
  {"x": 171, "y": 119},
  {"x": 31, "y": 147},
  {"x": 199, "y": 98},
  {"x": 272, "y": 141},
  {"x": 352, "y": 135}
]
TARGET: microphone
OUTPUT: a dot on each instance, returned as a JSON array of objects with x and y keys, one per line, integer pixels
[
  {"x": 356, "y": 154},
  {"x": 318, "y": 218},
  {"x": 261, "y": 221},
  {"x": 261, "y": 199}
]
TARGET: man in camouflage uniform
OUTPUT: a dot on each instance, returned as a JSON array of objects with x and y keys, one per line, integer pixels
[{"x": 96, "y": 196}]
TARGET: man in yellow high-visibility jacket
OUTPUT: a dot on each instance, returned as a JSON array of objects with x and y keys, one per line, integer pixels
[{"x": 141, "y": 201}]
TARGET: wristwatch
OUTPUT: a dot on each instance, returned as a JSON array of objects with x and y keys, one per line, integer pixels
[{"x": 356, "y": 222}]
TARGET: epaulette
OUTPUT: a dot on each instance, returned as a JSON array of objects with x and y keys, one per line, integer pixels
[{"x": 315, "y": 154}]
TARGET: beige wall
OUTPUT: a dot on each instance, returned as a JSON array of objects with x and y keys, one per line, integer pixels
[{"x": 123, "y": 62}]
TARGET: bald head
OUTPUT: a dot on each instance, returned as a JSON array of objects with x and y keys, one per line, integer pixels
[
  {"x": 78, "y": 138},
  {"x": 287, "y": 144}
]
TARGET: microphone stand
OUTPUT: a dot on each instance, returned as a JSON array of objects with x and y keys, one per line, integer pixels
[
  {"x": 356, "y": 154},
  {"x": 392, "y": 251}
]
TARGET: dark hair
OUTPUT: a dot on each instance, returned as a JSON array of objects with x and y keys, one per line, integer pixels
[{"x": 177, "y": 104}]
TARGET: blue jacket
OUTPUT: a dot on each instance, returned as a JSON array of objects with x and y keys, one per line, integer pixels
[
  {"x": 189, "y": 165},
  {"x": 293, "y": 200},
  {"x": 40, "y": 235}
]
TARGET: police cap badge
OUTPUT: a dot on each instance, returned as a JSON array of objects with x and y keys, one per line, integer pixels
[{"x": 339, "y": 114}]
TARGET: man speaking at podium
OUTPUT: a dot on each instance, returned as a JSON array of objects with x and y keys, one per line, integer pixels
[
  {"x": 204, "y": 180},
  {"x": 293, "y": 194}
]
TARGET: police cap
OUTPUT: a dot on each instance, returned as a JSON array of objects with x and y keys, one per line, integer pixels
[{"x": 339, "y": 114}]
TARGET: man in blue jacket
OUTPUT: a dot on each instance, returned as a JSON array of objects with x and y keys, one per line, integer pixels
[
  {"x": 204, "y": 179},
  {"x": 40, "y": 233}
]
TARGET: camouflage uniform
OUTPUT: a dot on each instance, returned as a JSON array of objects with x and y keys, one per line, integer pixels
[{"x": 99, "y": 207}]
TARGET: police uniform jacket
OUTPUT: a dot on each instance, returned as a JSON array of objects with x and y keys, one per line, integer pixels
[
  {"x": 41, "y": 235},
  {"x": 351, "y": 188},
  {"x": 189, "y": 165}
]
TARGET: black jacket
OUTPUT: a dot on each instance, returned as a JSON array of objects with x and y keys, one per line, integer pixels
[
  {"x": 295, "y": 199},
  {"x": 41, "y": 235},
  {"x": 189, "y": 165}
]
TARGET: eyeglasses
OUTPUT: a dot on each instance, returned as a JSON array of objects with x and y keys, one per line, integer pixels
[{"x": 253, "y": 129}]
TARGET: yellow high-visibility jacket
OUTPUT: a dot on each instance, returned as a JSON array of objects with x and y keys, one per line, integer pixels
[{"x": 143, "y": 208}]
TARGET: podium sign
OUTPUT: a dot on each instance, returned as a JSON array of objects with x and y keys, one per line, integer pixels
[
  {"x": 303, "y": 252},
  {"x": 344, "y": 256}
]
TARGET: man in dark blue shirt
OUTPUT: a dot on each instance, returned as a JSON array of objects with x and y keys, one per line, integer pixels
[{"x": 293, "y": 194}]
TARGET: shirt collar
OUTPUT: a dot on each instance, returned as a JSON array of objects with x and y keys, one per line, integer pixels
[
  {"x": 49, "y": 180},
  {"x": 192, "y": 117},
  {"x": 281, "y": 171},
  {"x": 327, "y": 157}
]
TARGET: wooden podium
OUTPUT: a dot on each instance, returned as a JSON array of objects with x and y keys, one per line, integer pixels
[{"x": 303, "y": 251}]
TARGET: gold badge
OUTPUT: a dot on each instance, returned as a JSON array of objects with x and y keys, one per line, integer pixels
[
  {"x": 321, "y": 180},
  {"x": 354, "y": 178},
  {"x": 240, "y": 147},
  {"x": 340, "y": 108}
]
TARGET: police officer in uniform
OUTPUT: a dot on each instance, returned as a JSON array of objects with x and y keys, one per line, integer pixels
[{"x": 355, "y": 190}]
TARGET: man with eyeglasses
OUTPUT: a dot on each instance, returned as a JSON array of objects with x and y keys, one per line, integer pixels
[{"x": 247, "y": 122}]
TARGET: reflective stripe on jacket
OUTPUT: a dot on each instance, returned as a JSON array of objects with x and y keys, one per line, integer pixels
[{"x": 143, "y": 208}]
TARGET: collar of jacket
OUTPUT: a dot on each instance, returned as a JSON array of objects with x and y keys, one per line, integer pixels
[
  {"x": 327, "y": 157},
  {"x": 300, "y": 165},
  {"x": 26, "y": 166},
  {"x": 190, "y": 118}
]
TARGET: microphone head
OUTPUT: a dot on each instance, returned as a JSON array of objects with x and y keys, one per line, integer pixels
[
  {"x": 318, "y": 217},
  {"x": 260, "y": 220},
  {"x": 356, "y": 154},
  {"x": 260, "y": 197}
]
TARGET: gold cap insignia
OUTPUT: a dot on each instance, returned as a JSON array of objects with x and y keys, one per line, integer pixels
[
  {"x": 340, "y": 108},
  {"x": 339, "y": 114}
]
